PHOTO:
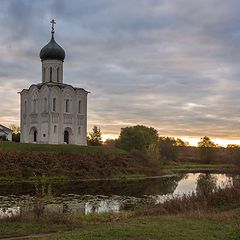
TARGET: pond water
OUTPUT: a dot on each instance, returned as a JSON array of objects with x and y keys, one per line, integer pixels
[{"x": 104, "y": 195}]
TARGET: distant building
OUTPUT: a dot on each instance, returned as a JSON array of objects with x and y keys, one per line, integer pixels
[
  {"x": 53, "y": 112},
  {"x": 5, "y": 133}
]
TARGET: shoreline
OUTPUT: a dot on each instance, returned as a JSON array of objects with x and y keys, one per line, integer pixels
[{"x": 167, "y": 171}]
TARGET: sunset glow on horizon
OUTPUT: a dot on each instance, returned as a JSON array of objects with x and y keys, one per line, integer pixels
[{"x": 193, "y": 141}]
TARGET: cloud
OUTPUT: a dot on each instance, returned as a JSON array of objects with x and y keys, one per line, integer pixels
[{"x": 173, "y": 65}]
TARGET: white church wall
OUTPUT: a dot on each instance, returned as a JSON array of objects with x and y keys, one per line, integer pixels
[
  {"x": 44, "y": 100},
  {"x": 24, "y": 105},
  {"x": 43, "y": 133},
  {"x": 54, "y": 129},
  {"x": 51, "y": 123}
]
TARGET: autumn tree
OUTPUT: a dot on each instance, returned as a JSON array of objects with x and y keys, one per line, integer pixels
[
  {"x": 110, "y": 142},
  {"x": 233, "y": 146},
  {"x": 14, "y": 128},
  {"x": 168, "y": 148},
  {"x": 206, "y": 149},
  {"x": 206, "y": 142},
  {"x": 234, "y": 152},
  {"x": 15, "y": 132},
  {"x": 181, "y": 143},
  {"x": 95, "y": 137}
]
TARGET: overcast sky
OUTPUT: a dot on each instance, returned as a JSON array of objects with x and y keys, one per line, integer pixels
[{"x": 173, "y": 65}]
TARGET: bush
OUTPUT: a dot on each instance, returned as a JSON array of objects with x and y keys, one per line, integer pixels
[
  {"x": 137, "y": 137},
  {"x": 206, "y": 149},
  {"x": 168, "y": 149},
  {"x": 234, "y": 151},
  {"x": 16, "y": 137},
  {"x": 206, "y": 154}
]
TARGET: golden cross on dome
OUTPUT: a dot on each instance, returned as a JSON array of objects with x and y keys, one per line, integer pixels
[{"x": 53, "y": 22}]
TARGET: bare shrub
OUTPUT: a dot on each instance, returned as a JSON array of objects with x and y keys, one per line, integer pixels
[{"x": 195, "y": 202}]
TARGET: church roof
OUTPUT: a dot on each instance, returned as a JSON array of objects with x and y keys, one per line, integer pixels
[
  {"x": 52, "y": 51},
  {"x": 52, "y": 84}
]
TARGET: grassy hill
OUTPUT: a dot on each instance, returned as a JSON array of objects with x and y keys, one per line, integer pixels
[
  {"x": 64, "y": 148},
  {"x": 23, "y": 160}
]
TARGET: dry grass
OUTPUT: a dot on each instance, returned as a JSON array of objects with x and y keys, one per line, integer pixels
[
  {"x": 196, "y": 203},
  {"x": 74, "y": 165}
]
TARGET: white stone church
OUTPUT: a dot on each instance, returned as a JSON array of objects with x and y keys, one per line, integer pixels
[{"x": 53, "y": 112}]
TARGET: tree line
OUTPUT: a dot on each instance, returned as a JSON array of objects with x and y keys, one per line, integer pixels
[{"x": 147, "y": 140}]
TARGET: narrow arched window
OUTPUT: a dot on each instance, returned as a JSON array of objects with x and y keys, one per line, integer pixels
[
  {"x": 25, "y": 107},
  {"x": 58, "y": 74},
  {"x": 55, "y": 128},
  {"x": 67, "y": 105},
  {"x": 54, "y": 104},
  {"x": 50, "y": 74},
  {"x": 45, "y": 105},
  {"x": 79, "y": 131},
  {"x": 44, "y": 74},
  {"x": 79, "y": 106},
  {"x": 34, "y": 106}
]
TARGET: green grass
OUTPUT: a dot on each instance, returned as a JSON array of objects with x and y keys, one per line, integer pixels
[
  {"x": 47, "y": 179},
  {"x": 100, "y": 217},
  {"x": 14, "y": 229},
  {"x": 7, "y": 179},
  {"x": 167, "y": 228},
  {"x": 129, "y": 176},
  {"x": 170, "y": 168},
  {"x": 151, "y": 228},
  {"x": 34, "y": 179},
  {"x": 30, "y": 147}
]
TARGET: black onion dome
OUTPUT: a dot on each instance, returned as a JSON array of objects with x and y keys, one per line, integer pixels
[{"x": 52, "y": 51}]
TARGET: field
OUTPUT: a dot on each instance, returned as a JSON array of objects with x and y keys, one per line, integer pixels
[{"x": 213, "y": 226}]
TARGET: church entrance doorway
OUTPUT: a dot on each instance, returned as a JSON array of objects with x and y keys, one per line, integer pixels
[
  {"x": 33, "y": 135},
  {"x": 67, "y": 135}
]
